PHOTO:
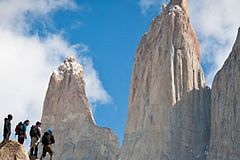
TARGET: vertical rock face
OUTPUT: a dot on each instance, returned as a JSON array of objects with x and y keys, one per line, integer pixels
[
  {"x": 225, "y": 115},
  {"x": 169, "y": 103},
  {"x": 67, "y": 112}
]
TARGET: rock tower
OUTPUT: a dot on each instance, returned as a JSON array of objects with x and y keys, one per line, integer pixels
[
  {"x": 67, "y": 112},
  {"x": 169, "y": 102}
]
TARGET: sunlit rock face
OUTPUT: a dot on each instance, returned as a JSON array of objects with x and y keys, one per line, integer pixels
[
  {"x": 169, "y": 102},
  {"x": 12, "y": 150},
  {"x": 225, "y": 115},
  {"x": 67, "y": 112}
]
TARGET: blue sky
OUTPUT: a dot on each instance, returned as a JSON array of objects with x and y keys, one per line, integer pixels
[
  {"x": 36, "y": 36},
  {"x": 112, "y": 30}
]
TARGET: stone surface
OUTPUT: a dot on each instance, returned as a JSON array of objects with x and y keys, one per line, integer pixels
[
  {"x": 66, "y": 111},
  {"x": 225, "y": 115},
  {"x": 169, "y": 102},
  {"x": 12, "y": 150}
]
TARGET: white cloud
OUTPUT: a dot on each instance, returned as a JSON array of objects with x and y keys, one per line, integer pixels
[
  {"x": 216, "y": 22},
  {"x": 145, "y": 5},
  {"x": 18, "y": 15},
  {"x": 27, "y": 61},
  {"x": 25, "y": 70},
  {"x": 95, "y": 91}
]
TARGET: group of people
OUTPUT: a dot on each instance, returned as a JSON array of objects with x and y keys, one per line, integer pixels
[{"x": 35, "y": 133}]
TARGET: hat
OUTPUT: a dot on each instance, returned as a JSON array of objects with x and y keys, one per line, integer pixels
[
  {"x": 27, "y": 121},
  {"x": 38, "y": 123},
  {"x": 50, "y": 130}
]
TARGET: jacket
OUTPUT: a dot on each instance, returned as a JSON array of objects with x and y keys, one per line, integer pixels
[{"x": 7, "y": 126}]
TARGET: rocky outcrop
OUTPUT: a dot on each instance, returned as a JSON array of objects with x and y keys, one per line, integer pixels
[
  {"x": 12, "y": 150},
  {"x": 67, "y": 111},
  {"x": 169, "y": 102},
  {"x": 225, "y": 114}
]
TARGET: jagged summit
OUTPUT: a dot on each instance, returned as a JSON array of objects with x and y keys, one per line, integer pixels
[
  {"x": 69, "y": 66},
  {"x": 182, "y": 3},
  {"x": 68, "y": 81},
  {"x": 70, "y": 59},
  {"x": 173, "y": 20}
]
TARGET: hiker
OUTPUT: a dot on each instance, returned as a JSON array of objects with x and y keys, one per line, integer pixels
[
  {"x": 47, "y": 141},
  {"x": 20, "y": 130},
  {"x": 7, "y": 128},
  {"x": 35, "y": 134}
]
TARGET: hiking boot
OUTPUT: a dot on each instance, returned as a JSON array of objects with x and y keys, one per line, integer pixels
[
  {"x": 35, "y": 156},
  {"x": 52, "y": 157}
]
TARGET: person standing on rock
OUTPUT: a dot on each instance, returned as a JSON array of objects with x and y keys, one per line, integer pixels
[
  {"x": 47, "y": 141},
  {"x": 20, "y": 130},
  {"x": 7, "y": 128},
  {"x": 35, "y": 134}
]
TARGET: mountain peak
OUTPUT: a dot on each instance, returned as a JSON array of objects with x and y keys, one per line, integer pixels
[
  {"x": 70, "y": 59},
  {"x": 67, "y": 112},
  {"x": 182, "y": 3},
  {"x": 168, "y": 96},
  {"x": 71, "y": 67}
]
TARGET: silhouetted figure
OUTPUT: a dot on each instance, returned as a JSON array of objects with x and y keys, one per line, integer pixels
[
  {"x": 7, "y": 128},
  {"x": 47, "y": 141},
  {"x": 35, "y": 133},
  {"x": 20, "y": 130}
]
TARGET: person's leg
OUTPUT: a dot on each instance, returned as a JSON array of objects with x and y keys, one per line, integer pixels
[
  {"x": 44, "y": 152},
  {"x": 36, "y": 151},
  {"x": 6, "y": 136},
  {"x": 32, "y": 146},
  {"x": 21, "y": 139},
  {"x": 50, "y": 151}
]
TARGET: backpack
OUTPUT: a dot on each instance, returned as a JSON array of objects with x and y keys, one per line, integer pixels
[
  {"x": 19, "y": 129},
  {"x": 34, "y": 131},
  {"x": 46, "y": 139}
]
